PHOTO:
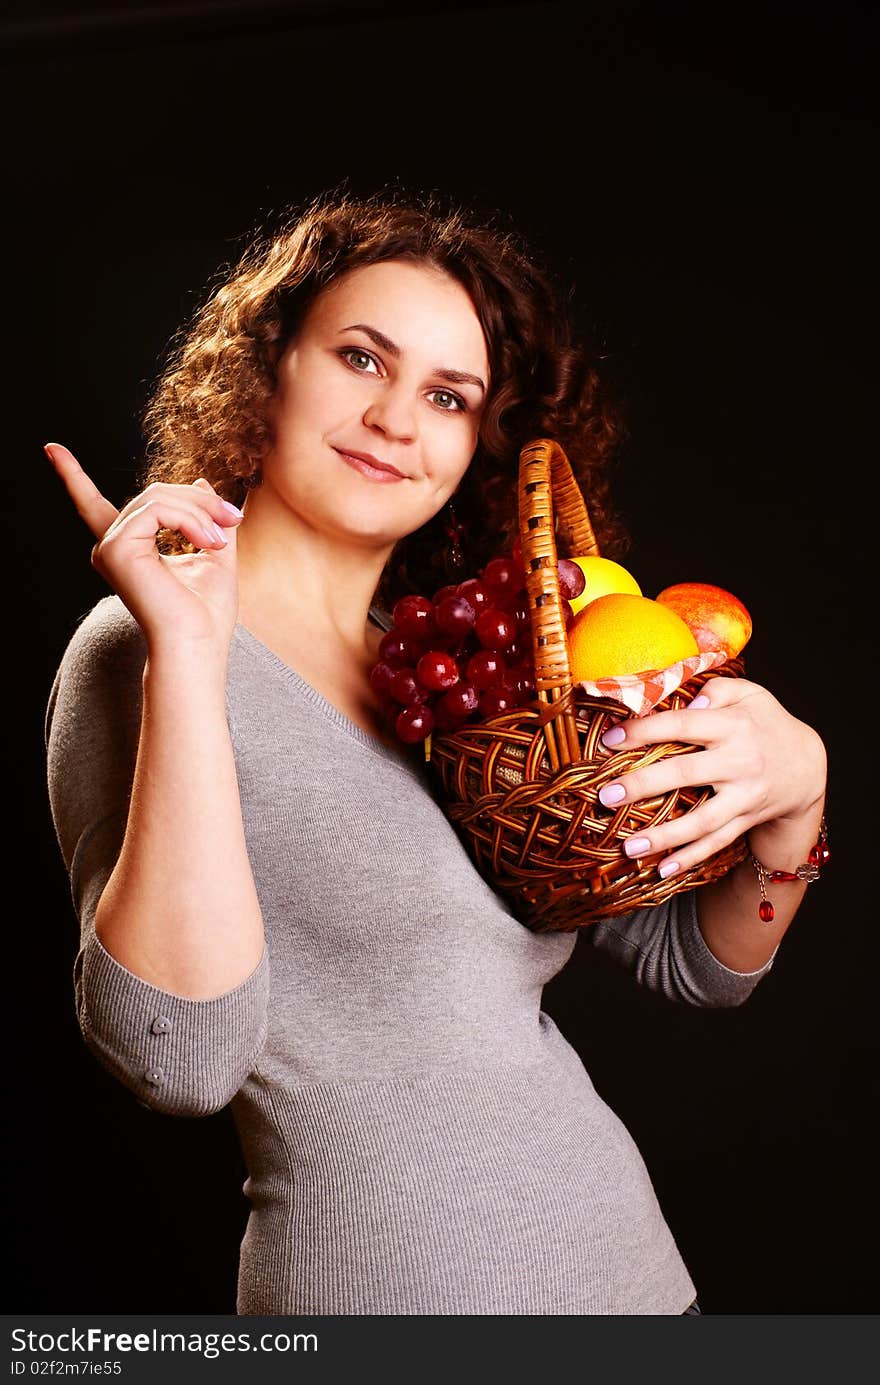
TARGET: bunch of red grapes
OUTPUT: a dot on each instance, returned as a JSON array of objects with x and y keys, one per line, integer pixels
[{"x": 466, "y": 653}]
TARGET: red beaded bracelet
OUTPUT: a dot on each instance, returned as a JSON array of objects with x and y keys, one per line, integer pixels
[{"x": 819, "y": 856}]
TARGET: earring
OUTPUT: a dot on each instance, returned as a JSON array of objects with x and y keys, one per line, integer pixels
[
  {"x": 453, "y": 554},
  {"x": 251, "y": 482}
]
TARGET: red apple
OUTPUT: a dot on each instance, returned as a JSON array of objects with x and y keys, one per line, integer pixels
[{"x": 716, "y": 618}]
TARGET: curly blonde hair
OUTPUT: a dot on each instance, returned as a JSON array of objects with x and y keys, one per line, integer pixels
[{"x": 207, "y": 414}]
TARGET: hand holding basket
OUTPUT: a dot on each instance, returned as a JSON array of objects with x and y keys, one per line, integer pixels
[{"x": 522, "y": 787}]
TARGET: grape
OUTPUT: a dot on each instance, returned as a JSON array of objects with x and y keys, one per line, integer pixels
[
  {"x": 465, "y": 654},
  {"x": 515, "y": 650},
  {"x": 437, "y": 671},
  {"x": 459, "y": 702},
  {"x": 521, "y": 611},
  {"x": 455, "y": 616},
  {"x": 444, "y": 719},
  {"x": 405, "y": 687},
  {"x": 476, "y": 592},
  {"x": 572, "y": 579},
  {"x": 381, "y": 675},
  {"x": 495, "y": 700},
  {"x": 567, "y": 612},
  {"x": 485, "y": 668},
  {"x": 519, "y": 681},
  {"x": 495, "y": 628},
  {"x": 503, "y": 577},
  {"x": 507, "y": 601},
  {"x": 396, "y": 649},
  {"x": 414, "y": 617},
  {"x": 525, "y": 672},
  {"x": 414, "y": 723},
  {"x": 441, "y": 644}
]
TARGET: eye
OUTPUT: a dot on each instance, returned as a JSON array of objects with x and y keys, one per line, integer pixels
[
  {"x": 462, "y": 407},
  {"x": 347, "y": 351},
  {"x": 356, "y": 351}
]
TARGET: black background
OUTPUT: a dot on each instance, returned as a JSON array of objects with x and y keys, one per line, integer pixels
[{"x": 702, "y": 177}]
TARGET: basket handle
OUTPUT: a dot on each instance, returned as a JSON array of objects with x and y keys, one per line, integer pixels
[{"x": 549, "y": 494}]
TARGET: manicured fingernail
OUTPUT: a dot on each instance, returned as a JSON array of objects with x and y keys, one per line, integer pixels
[
  {"x": 701, "y": 701},
  {"x": 214, "y": 531},
  {"x": 614, "y": 736},
  {"x": 611, "y": 794},
  {"x": 667, "y": 868},
  {"x": 637, "y": 846},
  {"x": 232, "y": 509}
]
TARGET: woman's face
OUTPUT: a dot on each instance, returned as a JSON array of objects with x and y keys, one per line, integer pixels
[{"x": 371, "y": 371}]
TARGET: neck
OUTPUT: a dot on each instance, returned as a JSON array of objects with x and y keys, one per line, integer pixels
[{"x": 318, "y": 585}]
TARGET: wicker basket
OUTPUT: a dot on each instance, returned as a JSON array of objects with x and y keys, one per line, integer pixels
[{"x": 522, "y": 788}]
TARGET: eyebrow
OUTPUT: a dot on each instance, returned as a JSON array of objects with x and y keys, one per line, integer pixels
[{"x": 456, "y": 377}]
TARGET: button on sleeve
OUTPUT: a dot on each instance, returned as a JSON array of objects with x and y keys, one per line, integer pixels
[{"x": 204, "y": 1049}]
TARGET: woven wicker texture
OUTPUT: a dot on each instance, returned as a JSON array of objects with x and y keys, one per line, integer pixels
[{"x": 522, "y": 788}]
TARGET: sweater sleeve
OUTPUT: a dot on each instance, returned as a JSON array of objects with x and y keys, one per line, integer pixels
[
  {"x": 178, "y": 1055},
  {"x": 666, "y": 951}
]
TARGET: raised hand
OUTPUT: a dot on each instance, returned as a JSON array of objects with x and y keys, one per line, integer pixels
[{"x": 189, "y": 597}]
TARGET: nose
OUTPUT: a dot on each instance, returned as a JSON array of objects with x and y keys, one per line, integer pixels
[{"x": 393, "y": 414}]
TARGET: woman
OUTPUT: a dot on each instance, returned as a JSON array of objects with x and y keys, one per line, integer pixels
[{"x": 274, "y": 911}]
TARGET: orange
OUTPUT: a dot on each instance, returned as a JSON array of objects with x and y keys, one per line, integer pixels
[
  {"x": 622, "y": 633},
  {"x": 603, "y": 577}
]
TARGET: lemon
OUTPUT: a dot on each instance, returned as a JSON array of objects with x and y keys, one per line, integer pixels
[
  {"x": 623, "y": 633},
  {"x": 603, "y": 578}
]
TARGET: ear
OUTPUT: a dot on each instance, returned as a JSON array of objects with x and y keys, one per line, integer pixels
[{"x": 275, "y": 350}]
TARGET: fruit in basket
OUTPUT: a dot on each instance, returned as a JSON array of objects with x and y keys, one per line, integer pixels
[
  {"x": 603, "y": 577},
  {"x": 466, "y": 654},
  {"x": 495, "y": 629},
  {"x": 623, "y": 633},
  {"x": 463, "y": 655},
  {"x": 716, "y": 618},
  {"x": 414, "y": 723},
  {"x": 414, "y": 618},
  {"x": 454, "y": 615},
  {"x": 437, "y": 671}
]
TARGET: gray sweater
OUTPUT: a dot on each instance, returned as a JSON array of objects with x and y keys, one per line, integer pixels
[{"x": 418, "y": 1134}]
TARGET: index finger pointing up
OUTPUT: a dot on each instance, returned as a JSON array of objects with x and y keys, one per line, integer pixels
[{"x": 91, "y": 505}]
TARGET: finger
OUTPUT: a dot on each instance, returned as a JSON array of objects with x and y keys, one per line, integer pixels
[
  {"x": 723, "y": 692},
  {"x": 685, "y": 724},
  {"x": 139, "y": 527},
  {"x": 686, "y": 830},
  {"x": 207, "y": 505},
  {"x": 685, "y": 858},
  {"x": 671, "y": 771},
  {"x": 223, "y": 512},
  {"x": 91, "y": 505}
]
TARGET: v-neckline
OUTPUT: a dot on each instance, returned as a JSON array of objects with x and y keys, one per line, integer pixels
[{"x": 403, "y": 756}]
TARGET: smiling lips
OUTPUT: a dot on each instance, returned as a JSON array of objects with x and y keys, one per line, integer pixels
[{"x": 370, "y": 466}]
